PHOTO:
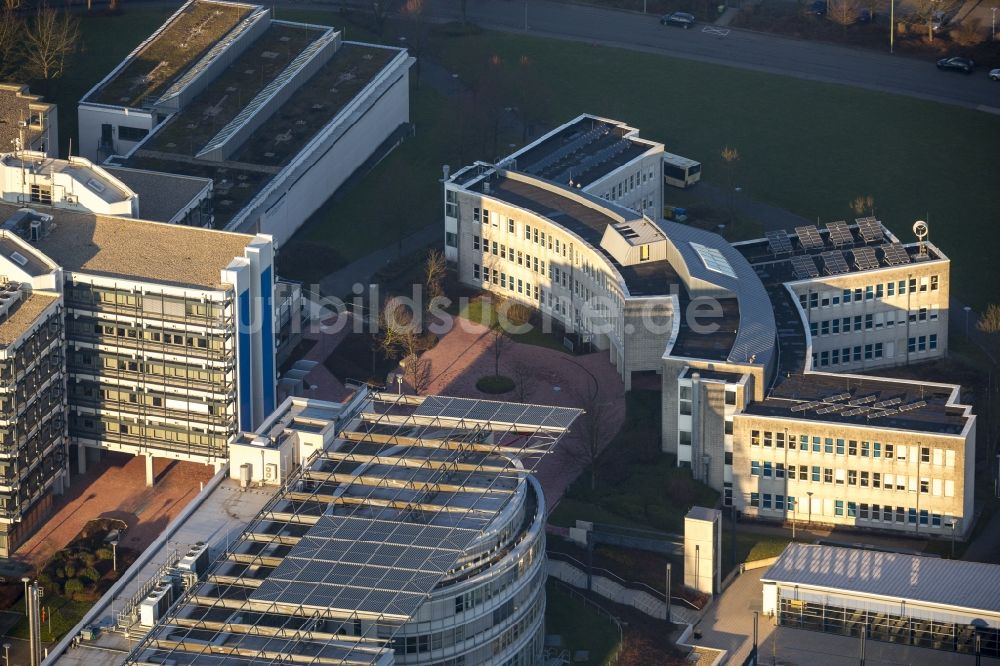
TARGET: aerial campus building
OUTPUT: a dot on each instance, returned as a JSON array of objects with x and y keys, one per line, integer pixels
[
  {"x": 276, "y": 114},
  {"x": 126, "y": 335},
  {"x": 759, "y": 344},
  {"x": 390, "y": 530},
  {"x": 926, "y": 602}
]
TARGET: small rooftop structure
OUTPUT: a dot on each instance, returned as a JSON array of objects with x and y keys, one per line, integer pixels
[
  {"x": 163, "y": 197},
  {"x": 132, "y": 249}
]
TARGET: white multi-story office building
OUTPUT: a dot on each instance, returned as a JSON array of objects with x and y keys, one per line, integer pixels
[
  {"x": 276, "y": 114},
  {"x": 403, "y": 530},
  {"x": 169, "y": 342},
  {"x": 756, "y": 343}
]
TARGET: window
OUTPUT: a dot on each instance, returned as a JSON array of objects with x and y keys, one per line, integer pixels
[
  {"x": 475, "y": 271},
  {"x": 791, "y": 441},
  {"x": 451, "y": 204},
  {"x": 450, "y": 239},
  {"x": 852, "y": 477},
  {"x": 815, "y": 473},
  {"x": 475, "y": 242},
  {"x": 852, "y": 447},
  {"x": 730, "y": 397},
  {"x": 754, "y": 499},
  {"x": 131, "y": 133},
  {"x": 767, "y": 501},
  {"x": 863, "y": 511},
  {"x": 866, "y": 449},
  {"x": 754, "y": 434},
  {"x": 828, "y": 445},
  {"x": 644, "y": 253},
  {"x": 779, "y": 470},
  {"x": 838, "y": 507},
  {"x": 925, "y": 486},
  {"x": 767, "y": 438},
  {"x": 827, "y": 475},
  {"x": 729, "y": 426},
  {"x": 934, "y": 282},
  {"x": 41, "y": 194},
  {"x": 876, "y": 479},
  {"x": 815, "y": 444},
  {"x": 767, "y": 470},
  {"x": 932, "y": 340},
  {"x": 510, "y": 225},
  {"x": 925, "y": 454},
  {"x": 840, "y": 447},
  {"x": 852, "y": 510}
]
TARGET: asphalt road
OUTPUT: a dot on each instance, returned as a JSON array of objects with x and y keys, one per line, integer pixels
[{"x": 739, "y": 48}]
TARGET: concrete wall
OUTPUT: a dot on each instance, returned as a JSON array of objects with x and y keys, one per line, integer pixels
[
  {"x": 609, "y": 589},
  {"x": 330, "y": 158},
  {"x": 90, "y": 118}
]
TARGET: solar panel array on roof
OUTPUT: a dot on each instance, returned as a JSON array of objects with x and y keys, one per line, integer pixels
[
  {"x": 804, "y": 267},
  {"x": 895, "y": 254},
  {"x": 809, "y": 237},
  {"x": 840, "y": 233},
  {"x": 778, "y": 241},
  {"x": 870, "y": 229},
  {"x": 834, "y": 262},
  {"x": 497, "y": 412},
  {"x": 864, "y": 258}
]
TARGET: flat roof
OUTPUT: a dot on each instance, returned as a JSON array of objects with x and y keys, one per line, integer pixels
[
  {"x": 82, "y": 171},
  {"x": 190, "y": 129},
  {"x": 23, "y": 314},
  {"x": 308, "y": 109},
  {"x": 954, "y": 583},
  {"x": 582, "y": 151},
  {"x": 714, "y": 346},
  {"x": 161, "y": 195},
  {"x": 187, "y": 36},
  {"x": 137, "y": 249}
]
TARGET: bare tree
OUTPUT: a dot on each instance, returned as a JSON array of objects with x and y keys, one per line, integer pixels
[
  {"x": 592, "y": 431},
  {"x": 506, "y": 318},
  {"x": 435, "y": 269},
  {"x": 11, "y": 5},
  {"x": 989, "y": 321},
  {"x": 11, "y": 29},
  {"x": 524, "y": 381},
  {"x": 49, "y": 39},
  {"x": 400, "y": 336},
  {"x": 731, "y": 156},
  {"x": 927, "y": 11},
  {"x": 844, "y": 12}
]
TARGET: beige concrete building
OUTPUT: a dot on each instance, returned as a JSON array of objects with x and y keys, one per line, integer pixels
[{"x": 757, "y": 342}]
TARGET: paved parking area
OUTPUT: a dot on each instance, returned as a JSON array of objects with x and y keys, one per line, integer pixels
[{"x": 115, "y": 487}]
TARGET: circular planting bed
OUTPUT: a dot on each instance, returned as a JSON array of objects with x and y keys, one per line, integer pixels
[{"x": 495, "y": 384}]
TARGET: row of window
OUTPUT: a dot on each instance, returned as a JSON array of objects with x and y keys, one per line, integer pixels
[
  {"x": 868, "y": 293},
  {"x": 852, "y": 477},
  {"x": 860, "y": 510},
  {"x": 852, "y": 447},
  {"x": 872, "y": 321},
  {"x": 824, "y": 358},
  {"x": 627, "y": 185}
]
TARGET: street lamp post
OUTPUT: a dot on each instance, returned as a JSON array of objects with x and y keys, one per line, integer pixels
[
  {"x": 892, "y": 25},
  {"x": 6, "y": 654},
  {"x": 954, "y": 522},
  {"x": 993, "y": 25},
  {"x": 967, "y": 310},
  {"x": 399, "y": 384},
  {"x": 810, "y": 495},
  {"x": 114, "y": 555}
]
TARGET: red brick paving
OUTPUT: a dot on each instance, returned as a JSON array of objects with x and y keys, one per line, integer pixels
[
  {"x": 465, "y": 354},
  {"x": 115, "y": 487}
]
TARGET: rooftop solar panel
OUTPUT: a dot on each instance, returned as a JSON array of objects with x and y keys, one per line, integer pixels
[
  {"x": 840, "y": 233},
  {"x": 809, "y": 237},
  {"x": 864, "y": 258},
  {"x": 835, "y": 263},
  {"x": 779, "y": 242},
  {"x": 895, "y": 254},
  {"x": 839, "y": 396},
  {"x": 870, "y": 229},
  {"x": 804, "y": 267}
]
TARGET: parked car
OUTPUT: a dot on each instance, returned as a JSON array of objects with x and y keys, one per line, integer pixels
[
  {"x": 818, "y": 8},
  {"x": 957, "y": 63},
  {"x": 995, "y": 74},
  {"x": 682, "y": 19}
]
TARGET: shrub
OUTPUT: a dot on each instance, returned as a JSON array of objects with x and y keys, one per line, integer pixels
[
  {"x": 70, "y": 570},
  {"x": 91, "y": 574},
  {"x": 60, "y": 573},
  {"x": 74, "y": 586},
  {"x": 104, "y": 554},
  {"x": 88, "y": 558},
  {"x": 495, "y": 384}
]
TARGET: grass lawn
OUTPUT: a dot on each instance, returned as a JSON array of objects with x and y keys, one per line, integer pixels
[
  {"x": 64, "y": 612},
  {"x": 581, "y": 626},
  {"x": 481, "y": 311}
]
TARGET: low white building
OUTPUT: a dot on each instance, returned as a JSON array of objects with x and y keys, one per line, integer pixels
[{"x": 276, "y": 114}]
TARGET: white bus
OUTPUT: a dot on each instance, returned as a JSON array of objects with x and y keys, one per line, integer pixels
[{"x": 680, "y": 171}]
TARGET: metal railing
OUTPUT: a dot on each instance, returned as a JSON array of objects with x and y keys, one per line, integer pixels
[{"x": 576, "y": 594}]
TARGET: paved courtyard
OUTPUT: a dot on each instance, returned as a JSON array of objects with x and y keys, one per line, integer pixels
[
  {"x": 115, "y": 487},
  {"x": 464, "y": 354}
]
